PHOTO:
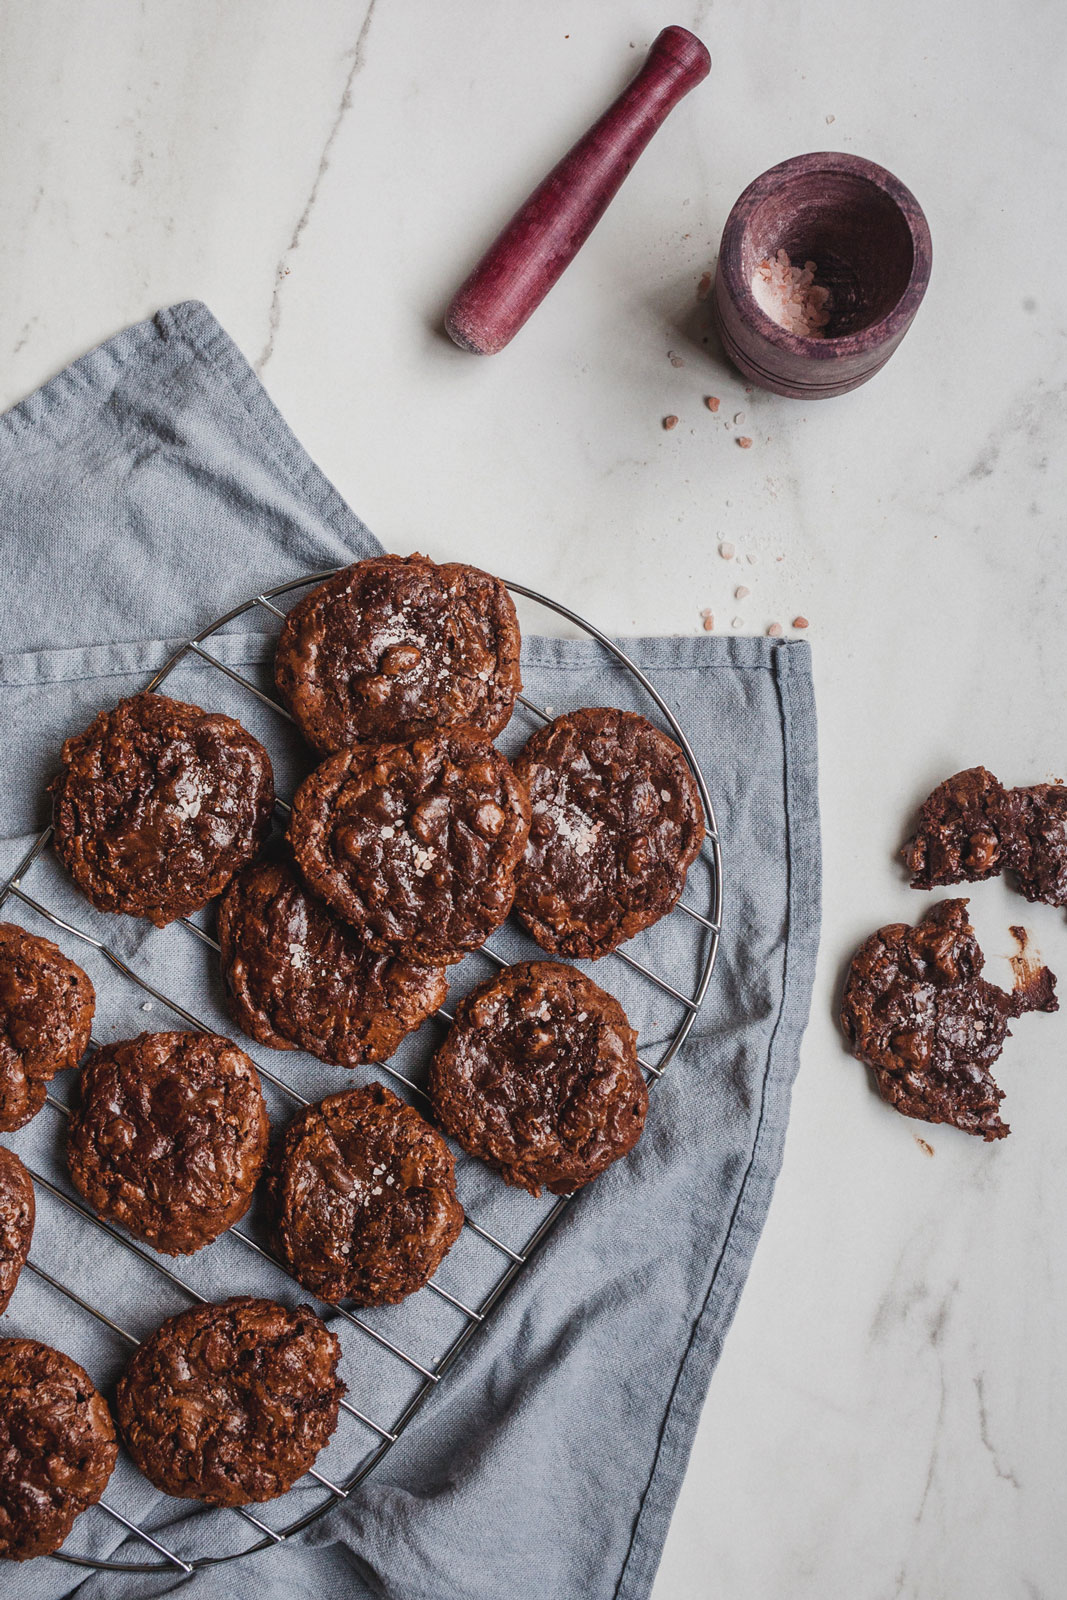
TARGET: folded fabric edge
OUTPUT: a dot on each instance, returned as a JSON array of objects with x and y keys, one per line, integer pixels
[{"x": 797, "y": 708}]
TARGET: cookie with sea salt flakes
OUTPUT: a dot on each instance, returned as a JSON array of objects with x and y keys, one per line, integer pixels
[
  {"x": 394, "y": 648},
  {"x": 298, "y": 977},
  {"x": 157, "y": 804},
  {"x": 364, "y": 1198},
  {"x": 414, "y": 844},
  {"x": 18, "y": 1211},
  {"x": 616, "y": 823}
]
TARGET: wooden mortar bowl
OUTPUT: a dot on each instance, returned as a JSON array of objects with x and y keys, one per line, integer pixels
[{"x": 870, "y": 242}]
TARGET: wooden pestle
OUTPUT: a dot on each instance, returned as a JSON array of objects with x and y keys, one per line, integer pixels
[{"x": 549, "y": 228}]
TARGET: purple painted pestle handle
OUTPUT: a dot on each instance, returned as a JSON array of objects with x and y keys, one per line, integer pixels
[{"x": 549, "y": 229}]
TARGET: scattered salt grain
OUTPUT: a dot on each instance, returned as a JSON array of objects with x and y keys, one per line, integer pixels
[
  {"x": 726, "y": 550},
  {"x": 676, "y": 361},
  {"x": 790, "y": 296},
  {"x": 550, "y": 711},
  {"x": 147, "y": 1006},
  {"x": 377, "y": 1189},
  {"x": 388, "y": 832},
  {"x": 665, "y": 795},
  {"x": 738, "y": 622},
  {"x": 742, "y": 592},
  {"x": 670, "y": 422},
  {"x": 800, "y": 622},
  {"x": 830, "y": 118},
  {"x": 298, "y": 956},
  {"x": 752, "y": 560},
  {"x": 739, "y": 417},
  {"x": 774, "y": 631},
  {"x": 704, "y": 286},
  {"x": 745, "y": 442},
  {"x": 712, "y": 402},
  {"x": 582, "y": 1016}
]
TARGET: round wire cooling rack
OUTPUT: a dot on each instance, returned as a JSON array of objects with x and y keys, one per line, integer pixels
[{"x": 425, "y": 1371}]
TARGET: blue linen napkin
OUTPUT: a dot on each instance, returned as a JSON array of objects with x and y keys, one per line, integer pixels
[{"x": 146, "y": 489}]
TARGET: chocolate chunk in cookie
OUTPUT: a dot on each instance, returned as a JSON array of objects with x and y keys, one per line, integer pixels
[
  {"x": 298, "y": 977},
  {"x": 395, "y": 648},
  {"x": 230, "y": 1403},
  {"x": 616, "y": 823},
  {"x": 158, "y": 804},
  {"x": 169, "y": 1137},
  {"x": 918, "y": 1012},
  {"x": 17, "y": 1213},
  {"x": 1042, "y": 865},
  {"x": 364, "y": 1198},
  {"x": 46, "y": 1012},
  {"x": 57, "y": 1447},
  {"x": 414, "y": 844},
  {"x": 969, "y": 828},
  {"x": 539, "y": 1077}
]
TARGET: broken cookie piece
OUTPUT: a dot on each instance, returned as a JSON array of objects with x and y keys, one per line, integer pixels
[
  {"x": 917, "y": 1011},
  {"x": 969, "y": 828}
]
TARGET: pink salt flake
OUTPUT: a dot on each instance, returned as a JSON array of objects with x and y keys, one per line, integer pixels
[
  {"x": 726, "y": 550},
  {"x": 704, "y": 286},
  {"x": 742, "y": 592},
  {"x": 744, "y": 442},
  {"x": 709, "y": 620},
  {"x": 790, "y": 296},
  {"x": 800, "y": 622},
  {"x": 774, "y": 631},
  {"x": 670, "y": 422},
  {"x": 712, "y": 402}
]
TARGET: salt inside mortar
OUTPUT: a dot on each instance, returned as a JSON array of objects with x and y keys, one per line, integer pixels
[{"x": 790, "y": 296}]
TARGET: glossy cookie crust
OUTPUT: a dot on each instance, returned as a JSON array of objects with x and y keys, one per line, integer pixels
[
  {"x": 538, "y": 1077},
  {"x": 616, "y": 822},
  {"x": 414, "y": 844},
  {"x": 158, "y": 804},
  {"x": 46, "y": 1013},
  {"x": 231, "y": 1403},
  {"x": 395, "y": 648},
  {"x": 169, "y": 1137},
  {"x": 364, "y": 1198},
  {"x": 298, "y": 977}
]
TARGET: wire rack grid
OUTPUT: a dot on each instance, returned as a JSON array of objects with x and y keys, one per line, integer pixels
[{"x": 514, "y": 1257}]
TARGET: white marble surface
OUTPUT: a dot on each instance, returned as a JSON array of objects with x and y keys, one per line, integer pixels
[{"x": 889, "y": 1416}]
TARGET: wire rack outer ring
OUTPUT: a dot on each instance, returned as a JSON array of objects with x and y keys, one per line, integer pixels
[{"x": 712, "y": 923}]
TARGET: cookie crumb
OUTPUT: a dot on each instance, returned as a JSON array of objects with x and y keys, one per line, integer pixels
[
  {"x": 800, "y": 622},
  {"x": 774, "y": 631},
  {"x": 704, "y": 286},
  {"x": 745, "y": 442},
  {"x": 670, "y": 422},
  {"x": 742, "y": 592},
  {"x": 712, "y": 402},
  {"x": 927, "y": 1149},
  {"x": 726, "y": 550}
]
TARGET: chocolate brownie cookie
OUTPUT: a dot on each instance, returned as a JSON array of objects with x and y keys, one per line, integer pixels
[
  {"x": 298, "y": 977},
  {"x": 616, "y": 823},
  {"x": 395, "y": 648},
  {"x": 918, "y": 1012},
  {"x": 233, "y": 1402},
  {"x": 539, "y": 1077},
  {"x": 57, "y": 1447},
  {"x": 969, "y": 828},
  {"x": 169, "y": 1137},
  {"x": 415, "y": 844},
  {"x": 364, "y": 1198},
  {"x": 158, "y": 804},
  {"x": 1042, "y": 867},
  {"x": 46, "y": 1012},
  {"x": 17, "y": 1213}
]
